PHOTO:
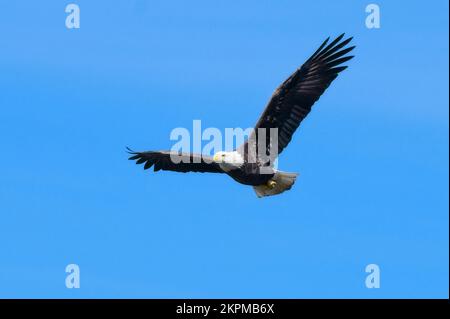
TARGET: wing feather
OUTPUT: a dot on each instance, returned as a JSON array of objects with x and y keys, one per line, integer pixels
[
  {"x": 177, "y": 162},
  {"x": 293, "y": 99}
]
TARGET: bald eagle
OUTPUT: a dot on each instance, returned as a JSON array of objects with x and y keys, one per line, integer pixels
[{"x": 289, "y": 105}]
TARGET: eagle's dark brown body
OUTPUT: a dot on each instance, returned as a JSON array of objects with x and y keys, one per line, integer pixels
[{"x": 250, "y": 174}]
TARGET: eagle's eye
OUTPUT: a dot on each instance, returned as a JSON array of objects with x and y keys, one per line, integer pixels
[{"x": 223, "y": 155}]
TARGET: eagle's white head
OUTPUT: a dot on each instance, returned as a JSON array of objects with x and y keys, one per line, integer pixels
[{"x": 228, "y": 160}]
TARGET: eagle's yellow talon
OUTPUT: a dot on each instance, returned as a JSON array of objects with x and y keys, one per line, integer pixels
[{"x": 271, "y": 184}]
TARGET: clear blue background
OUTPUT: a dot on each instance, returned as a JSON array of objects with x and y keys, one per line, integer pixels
[{"x": 372, "y": 156}]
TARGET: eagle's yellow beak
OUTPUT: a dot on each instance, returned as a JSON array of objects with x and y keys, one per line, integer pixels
[{"x": 216, "y": 158}]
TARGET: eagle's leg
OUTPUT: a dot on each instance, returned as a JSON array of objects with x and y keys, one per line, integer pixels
[{"x": 271, "y": 184}]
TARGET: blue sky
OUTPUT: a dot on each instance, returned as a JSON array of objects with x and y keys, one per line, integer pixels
[{"x": 372, "y": 155}]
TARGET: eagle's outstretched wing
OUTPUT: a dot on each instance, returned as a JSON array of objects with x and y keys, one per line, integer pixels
[
  {"x": 174, "y": 161},
  {"x": 293, "y": 99}
]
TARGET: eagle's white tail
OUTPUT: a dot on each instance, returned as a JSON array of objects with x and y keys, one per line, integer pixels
[{"x": 283, "y": 180}]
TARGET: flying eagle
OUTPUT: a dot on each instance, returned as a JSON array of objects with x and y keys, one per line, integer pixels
[{"x": 251, "y": 163}]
